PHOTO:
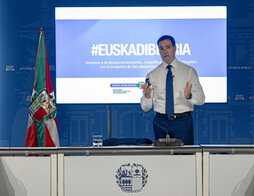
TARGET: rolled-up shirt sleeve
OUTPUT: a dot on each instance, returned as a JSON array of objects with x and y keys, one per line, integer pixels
[{"x": 146, "y": 104}]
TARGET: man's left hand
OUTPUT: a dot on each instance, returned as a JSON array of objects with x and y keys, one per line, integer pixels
[{"x": 187, "y": 91}]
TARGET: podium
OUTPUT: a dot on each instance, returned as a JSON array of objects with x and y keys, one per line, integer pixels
[
  {"x": 144, "y": 171},
  {"x": 205, "y": 170}
]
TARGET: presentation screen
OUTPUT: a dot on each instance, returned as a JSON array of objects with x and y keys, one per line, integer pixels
[{"x": 103, "y": 54}]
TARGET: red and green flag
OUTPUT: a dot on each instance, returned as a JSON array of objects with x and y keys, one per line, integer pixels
[{"x": 42, "y": 124}]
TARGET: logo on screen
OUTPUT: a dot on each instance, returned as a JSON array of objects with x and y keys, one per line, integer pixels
[
  {"x": 131, "y": 178},
  {"x": 141, "y": 85}
]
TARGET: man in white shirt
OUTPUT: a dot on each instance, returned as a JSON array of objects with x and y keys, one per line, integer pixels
[{"x": 187, "y": 92}]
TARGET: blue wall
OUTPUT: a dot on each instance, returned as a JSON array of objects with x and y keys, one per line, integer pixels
[{"x": 20, "y": 21}]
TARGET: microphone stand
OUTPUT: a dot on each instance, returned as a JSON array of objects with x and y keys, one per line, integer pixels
[{"x": 167, "y": 141}]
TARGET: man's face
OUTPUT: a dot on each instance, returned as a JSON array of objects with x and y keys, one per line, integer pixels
[{"x": 167, "y": 51}]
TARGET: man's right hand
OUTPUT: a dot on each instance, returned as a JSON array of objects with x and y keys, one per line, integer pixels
[{"x": 147, "y": 91}]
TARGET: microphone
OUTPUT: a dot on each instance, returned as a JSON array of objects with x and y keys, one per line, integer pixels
[{"x": 167, "y": 141}]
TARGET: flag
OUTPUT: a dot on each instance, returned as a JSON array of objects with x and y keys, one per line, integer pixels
[{"x": 42, "y": 124}]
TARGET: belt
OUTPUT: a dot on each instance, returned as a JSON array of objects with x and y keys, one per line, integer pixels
[{"x": 174, "y": 116}]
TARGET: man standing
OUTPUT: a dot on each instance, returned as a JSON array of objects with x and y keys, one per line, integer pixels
[{"x": 172, "y": 90}]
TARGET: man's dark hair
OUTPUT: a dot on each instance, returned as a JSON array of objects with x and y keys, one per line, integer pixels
[{"x": 164, "y": 37}]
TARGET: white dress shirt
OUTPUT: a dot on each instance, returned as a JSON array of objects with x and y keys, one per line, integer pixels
[{"x": 182, "y": 74}]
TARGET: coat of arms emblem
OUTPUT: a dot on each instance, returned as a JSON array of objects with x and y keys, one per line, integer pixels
[{"x": 131, "y": 177}]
